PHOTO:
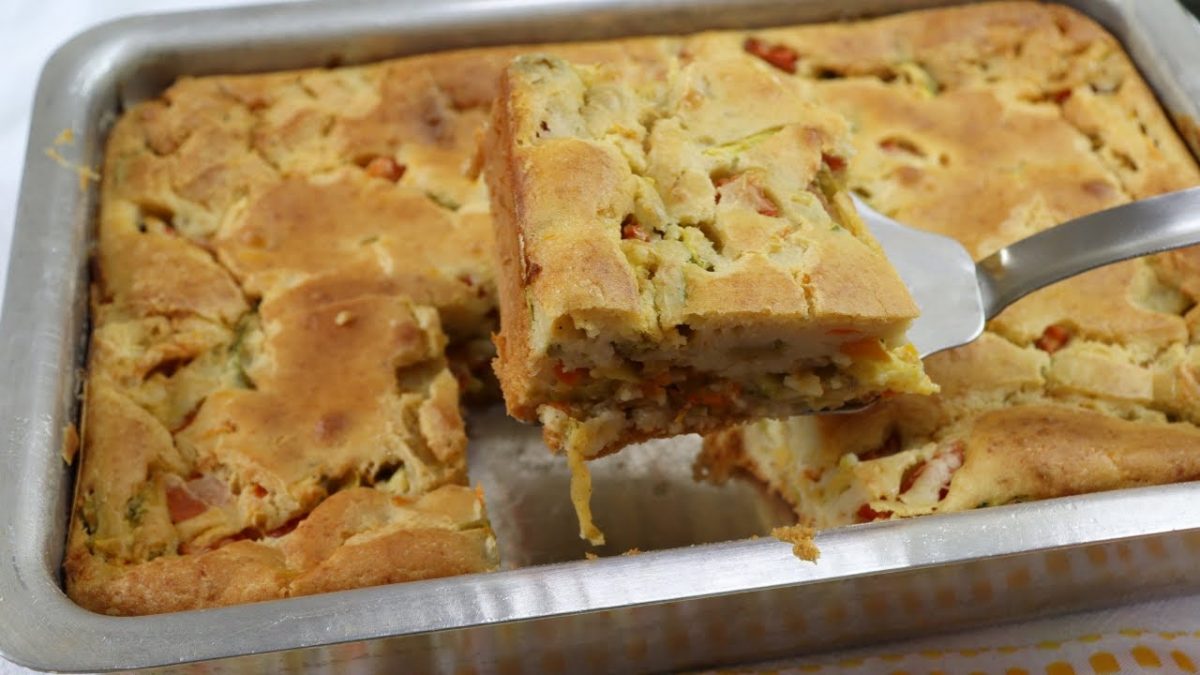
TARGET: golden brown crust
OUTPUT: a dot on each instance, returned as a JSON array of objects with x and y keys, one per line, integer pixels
[
  {"x": 252, "y": 355},
  {"x": 268, "y": 247},
  {"x": 358, "y": 537},
  {"x": 336, "y": 382},
  {"x": 186, "y": 173},
  {"x": 147, "y": 270},
  {"x": 999, "y": 456},
  {"x": 305, "y": 422},
  {"x": 1035, "y": 452},
  {"x": 512, "y": 355},
  {"x": 989, "y": 123},
  {"x": 233, "y": 574},
  {"x": 270, "y": 168},
  {"x": 305, "y": 226},
  {"x": 159, "y": 511},
  {"x": 271, "y": 251}
]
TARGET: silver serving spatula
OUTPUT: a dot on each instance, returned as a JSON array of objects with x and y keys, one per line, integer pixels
[{"x": 957, "y": 295}]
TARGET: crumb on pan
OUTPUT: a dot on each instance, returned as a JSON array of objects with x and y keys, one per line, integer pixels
[
  {"x": 801, "y": 539},
  {"x": 70, "y": 443}
]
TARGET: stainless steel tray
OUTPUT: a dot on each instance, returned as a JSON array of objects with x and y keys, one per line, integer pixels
[{"x": 677, "y": 605}]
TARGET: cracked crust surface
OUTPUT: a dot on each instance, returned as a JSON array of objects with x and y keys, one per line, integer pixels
[
  {"x": 357, "y": 537},
  {"x": 196, "y": 165},
  {"x": 990, "y": 123},
  {"x": 675, "y": 251},
  {"x": 270, "y": 409},
  {"x": 277, "y": 258},
  {"x": 212, "y": 449}
]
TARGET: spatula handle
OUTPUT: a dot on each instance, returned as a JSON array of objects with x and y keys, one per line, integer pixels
[{"x": 1076, "y": 246}]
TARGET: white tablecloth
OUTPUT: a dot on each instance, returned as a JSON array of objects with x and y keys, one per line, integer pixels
[{"x": 1134, "y": 638}]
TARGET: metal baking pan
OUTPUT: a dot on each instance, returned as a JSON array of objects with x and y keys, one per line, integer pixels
[{"x": 685, "y": 602}]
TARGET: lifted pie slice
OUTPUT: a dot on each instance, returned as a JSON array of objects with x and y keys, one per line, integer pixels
[{"x": 677, "y": 254}]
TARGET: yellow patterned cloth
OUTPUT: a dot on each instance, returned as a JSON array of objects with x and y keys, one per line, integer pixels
[{"x": 1127, "y": 650}]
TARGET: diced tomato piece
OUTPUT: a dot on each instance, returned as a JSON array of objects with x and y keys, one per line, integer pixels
[
  {"x": 183, "y": 505},
  {"x": 1061, "y": 95},
  {"x": 866, "y": 514},
  {"x": 720, "y": 182},
  {"x": 957, "y": 455},
  {"x": 209, "y": 489},
  {"x": 762, "y": 203},
  {"x": 911, "y": 474},
  {"x": 385, "y": 168},
  {"x": 632, "y": 229},
  {"x": 834, "y": 162},
  {"x": 530, "y": 271},
  {"x": 780, "y": 56},
  {"x": 748, "y": 193},
  {"x": 569, "y": 377},
  {"x": 948, "y": 461},
  {"x": 259, "y": 491},
  {"x": 1054, "y": 338}
]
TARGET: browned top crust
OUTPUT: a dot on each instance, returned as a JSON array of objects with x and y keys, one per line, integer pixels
[
  {"x": 358, "y": 537},
  {"x": 989, "y": 123},
  {"x": 686, "y": 235},
  {"x": 206, "y": 445},
  {"x": 268, "y": 249},
  {"x": 304, "y": 226},
  {"x": 1057, "y": 124},
  {"x": 591, "y": 150},
  {"x": 274, "y": 254}
]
